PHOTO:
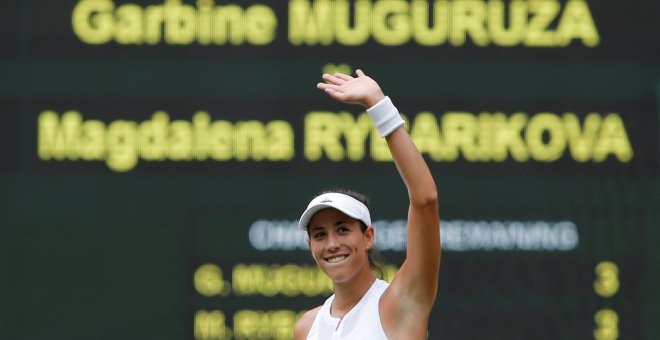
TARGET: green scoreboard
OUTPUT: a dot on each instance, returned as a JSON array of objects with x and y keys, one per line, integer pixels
[{"x": 157, "y": 154}]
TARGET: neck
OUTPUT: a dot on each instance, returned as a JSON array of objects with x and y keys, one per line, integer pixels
[{"x": 348, "y": 294}]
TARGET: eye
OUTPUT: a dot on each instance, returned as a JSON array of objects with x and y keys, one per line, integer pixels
[
  {"x": 343, "y": 229},
  {"x": 318, "y": 234}
]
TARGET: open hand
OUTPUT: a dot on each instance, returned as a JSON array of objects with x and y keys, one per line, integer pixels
[{"x": 352, "y": 90}]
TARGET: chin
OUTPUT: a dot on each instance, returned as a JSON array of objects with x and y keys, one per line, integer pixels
[{"x": 336, "y": 275}]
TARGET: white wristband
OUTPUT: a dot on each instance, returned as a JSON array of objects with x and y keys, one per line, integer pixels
[{"x": 385, "y": 116}]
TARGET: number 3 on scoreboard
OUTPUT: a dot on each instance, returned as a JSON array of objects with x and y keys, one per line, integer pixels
[
  {"x": 607, "y": 325},
  {"x": 607, "y": 279}
]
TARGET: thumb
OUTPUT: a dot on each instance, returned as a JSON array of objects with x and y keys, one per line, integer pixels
[{"x": 359, "y": 73}]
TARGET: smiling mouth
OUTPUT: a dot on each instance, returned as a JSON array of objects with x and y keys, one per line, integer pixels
[{"x": 336, "y": 259}]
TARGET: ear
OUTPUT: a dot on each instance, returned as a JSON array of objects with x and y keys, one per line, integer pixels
[{"x": 369, "y": 236}]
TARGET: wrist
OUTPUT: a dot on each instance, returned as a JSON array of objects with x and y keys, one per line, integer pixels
[
  {"x": 385, "y": 116},
  {"x": 373, "y": 99}
]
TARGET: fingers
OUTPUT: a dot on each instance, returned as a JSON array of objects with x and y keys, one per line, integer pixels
[
  {"x": 337, "y": 95},
  {"x": 326, "y": 86},
  {"x": 344, "y": 77},
  {"x": 332, "y": 90},
  {"x": 360, "y": 73},
  {"x": 336, "y": 79}
]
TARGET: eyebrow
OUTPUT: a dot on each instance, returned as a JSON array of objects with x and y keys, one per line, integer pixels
[{"x": 337, "y": 224}]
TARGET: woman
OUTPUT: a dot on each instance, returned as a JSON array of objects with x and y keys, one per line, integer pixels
[{"x": 341, "y": 234}]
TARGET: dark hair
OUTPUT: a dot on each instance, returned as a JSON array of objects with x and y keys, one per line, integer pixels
[{"x": 376, "y": 261}]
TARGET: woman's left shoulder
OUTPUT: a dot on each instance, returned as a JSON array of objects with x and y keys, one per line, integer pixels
[{"x": 304, "y": 324}]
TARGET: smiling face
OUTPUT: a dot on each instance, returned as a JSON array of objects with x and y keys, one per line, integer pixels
[{"x": 339, "y": 245}]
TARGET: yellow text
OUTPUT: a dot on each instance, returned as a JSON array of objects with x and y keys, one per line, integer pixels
[
  {"x": 209, "y": 282},
  {"x": 607, "y": 325},
  {"x": 486, "y": 137},
  {"x": 607, "y": 279},
  {"x": 534, "y": 23},
  {"x": 122, "y": 143},
  {"x": 211, "y": 325},
  {"x": 288, "y": 280},
  {"x": 173, "y": 22},
  {"x": 254, "y": 324}
]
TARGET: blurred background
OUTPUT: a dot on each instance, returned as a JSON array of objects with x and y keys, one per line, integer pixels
[{"x": 157, "y": 154}]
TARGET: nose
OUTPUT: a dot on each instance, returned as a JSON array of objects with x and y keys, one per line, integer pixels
[{"x": 332, "y": 243}]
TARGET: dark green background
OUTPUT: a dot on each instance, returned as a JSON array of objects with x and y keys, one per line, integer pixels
[{"x": 89, "y": 253}]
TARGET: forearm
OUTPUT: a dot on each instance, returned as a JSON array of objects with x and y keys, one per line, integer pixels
[
  {"x": 412, "y": 168},
  {"x": 420, "y": 272},
  {"x": 423, "y": 215},
  {"x": 410, "y": 163}
]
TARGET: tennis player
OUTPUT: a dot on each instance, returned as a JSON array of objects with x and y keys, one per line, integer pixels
[{"x": 341, "y": 236}]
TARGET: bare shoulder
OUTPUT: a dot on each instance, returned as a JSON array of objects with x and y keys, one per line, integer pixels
[{"x": 303, "y": 325}]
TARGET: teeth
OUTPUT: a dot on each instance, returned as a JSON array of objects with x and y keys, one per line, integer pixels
[{"x": 337, "y": 259}]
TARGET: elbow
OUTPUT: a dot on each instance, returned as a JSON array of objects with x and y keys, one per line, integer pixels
[{"x": 425, "y": 198}]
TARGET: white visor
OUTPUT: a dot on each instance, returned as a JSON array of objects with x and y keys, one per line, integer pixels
[{"x": 344, "y": 203}]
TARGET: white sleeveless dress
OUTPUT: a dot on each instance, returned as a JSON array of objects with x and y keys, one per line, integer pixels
[{"x": 362, "y": 322}]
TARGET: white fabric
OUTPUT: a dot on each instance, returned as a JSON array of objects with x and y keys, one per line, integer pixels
[
  {"x": 362, "y": 322},
  {"x": 344, "y": 203},
  {"x": 385, "y": 116}
]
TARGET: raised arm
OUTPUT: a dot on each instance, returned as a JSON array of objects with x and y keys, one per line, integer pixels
[{"x": 414, "y": 289}]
